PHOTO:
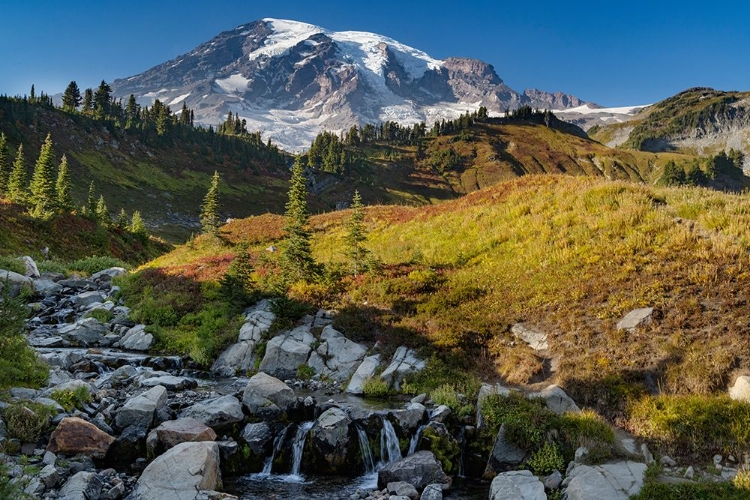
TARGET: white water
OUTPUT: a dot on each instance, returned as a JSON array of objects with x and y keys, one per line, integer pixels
[
  {"x": 366, "y": 451},
  {"x": 298, "y": 446},
  {"x": 415, "y": 440},
  {"x": 389, "y": 446},
  {"x": 277, "y": 443}
]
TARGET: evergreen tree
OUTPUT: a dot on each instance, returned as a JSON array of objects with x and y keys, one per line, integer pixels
[
  {"x": 90, "y": 209},
  {"x": 102, "y": 100},
  {"x": 42, "y": 188},
  {"x": 62, "y": 187},
  {"x": 4, "y": 170},
  {"x": 137, "y": 227},
  {"x": 102, "y": 213},
  {"x": 71, "y": 97},
  {"x": 297, "y": 261},
  {"x": 88, "y": 101},
  {"x": 210, "y": 208},
  {"x": 17, "y": 178},
  {"x": 237, "y": 284},
  {"x": 356, "y": 235},
  {"x": 122, "y": 219}
]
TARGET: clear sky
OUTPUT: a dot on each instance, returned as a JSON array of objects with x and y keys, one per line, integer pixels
[{"x": 615, "y": 53}]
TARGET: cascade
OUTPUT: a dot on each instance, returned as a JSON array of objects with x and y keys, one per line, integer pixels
[
  {"x": 390, "y": 450},
  {"x": 277, "y": 444},
  {"x": 298, "y": 446},
  {"x": 365, "y": 450},
  {"x": 415, "y": 440}
]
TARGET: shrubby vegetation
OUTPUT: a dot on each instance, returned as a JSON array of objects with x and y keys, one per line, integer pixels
[{"x": 19, "y": 365}]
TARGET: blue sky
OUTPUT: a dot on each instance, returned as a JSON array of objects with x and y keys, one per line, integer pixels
[{"x": 612, "y": 53}]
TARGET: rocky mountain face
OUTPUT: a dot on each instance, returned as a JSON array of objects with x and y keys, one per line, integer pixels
[{"x": 291, "y": 80}]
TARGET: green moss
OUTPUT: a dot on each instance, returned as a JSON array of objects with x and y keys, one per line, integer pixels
[{"x": 446, "y": 449}]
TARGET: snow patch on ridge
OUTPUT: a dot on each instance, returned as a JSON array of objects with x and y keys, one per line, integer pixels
[
  {"x": 233, "y": 84},
  {"x": 586, "y": 110},
  {"x": 179, "y": 99}
]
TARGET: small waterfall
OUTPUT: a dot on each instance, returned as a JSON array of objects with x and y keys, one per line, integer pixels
[
  {"x": 462, "y": 437},
  {"x": 365, "y": 450},
  {"x": 389, "y": 446},
  {"x": 415, "y": 440},
  {"x": 277, "y": 444},
  {"x": 298, "y": 446}
]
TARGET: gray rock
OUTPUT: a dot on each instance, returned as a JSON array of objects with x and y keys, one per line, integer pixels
[
  {"x": 216, "y": 413},
  {"x": 403, "y": 363},
  {"x": 636, "y": 318},
  {"x": 258, "y": 437},
  {"x": 35, "y": 487},
  {"x": 239, "y": 357},
  {"x": 504, "y": 454},
  {"x": 332, "y": 444},
  {"x": 124, "y": 372},
  {"x": 440, "y": 414},
  {"x": 690, "y": 472},
  {"x": 257, "y": 322},
  {"x": 518, "y": 485},
  {"x": 286, "y": 352},
  {"x": 740, "y": 391},
  {"x": 49, "y": 476},
  {"x": 336, "y": 357},
  {"x": 171, "y": 382},
  {"x": 418, "y": 469},
  {"x": 615, "y": 481},
  {"x": 553, "y": 481},
  {"x": 537, "y": 340},
  {"x": 108, "y": 274},
  {"x": 139, "y": 411},
  {"x": 402, "y": 488},
  {"x": 86, "y": 331},
  {"x": 668, "y": 461},
  {"x": 47, "y": 287},
  {"x": 31, "y": 270},
  {"x": 87, "y": 298},
  {"x": 14, "y": 278},
  {"x": 180, "y": 473},
  {"x": 432, "y": 492},
  {"x": 410, "y": 418},
  {"x": 556, "y": 399},
  {"x": 365, "y": 371},
  {"x": 49, "y": 458},
  {"x": 267, "y": 397},
  {"x": 82, "y": 486},
  {"x": 136, "y": 339}
]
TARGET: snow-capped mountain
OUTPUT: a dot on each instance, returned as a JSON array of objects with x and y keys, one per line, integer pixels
[
  {"x": 292, "y": 80},
  {"x": 589, "y": 114}
]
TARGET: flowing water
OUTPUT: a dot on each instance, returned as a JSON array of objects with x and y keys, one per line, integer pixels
[
  {"x": 389, "y": 446},
  {"x": 365, "y": 451},
  {"x": 298, "y": 446},
  {"x": 415, "y": 440},
  {"x": 277, "y": 444}
]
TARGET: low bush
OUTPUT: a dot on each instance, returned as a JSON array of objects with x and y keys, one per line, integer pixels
[
  {"x": 527, "y": 421},
  {"x": 52, "y": 266},
  {"x": 101, "y": 315},
  {"x": 19, "y": 364},
  {"x": 27, "y": 421},
  {"x": 12, "y": 264},
  {"x": 546, "y": 460},
  {"x": 72, "y": 398},
  {"x": 742, "y": 480},
  {"x": 375, "y": 387},
  {"x": 305, "y": 372},
  {"x": 94, "y": 264},
  {"x": 448, "y": 395}
]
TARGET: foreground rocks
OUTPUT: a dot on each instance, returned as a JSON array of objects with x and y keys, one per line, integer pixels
[
  {"x": 615, "y": 481},
  {"x": 419, "y": 470}
]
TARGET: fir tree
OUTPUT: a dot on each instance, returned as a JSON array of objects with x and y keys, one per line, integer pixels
[
  {"x": 137, "y": 227},
  {"x": 90, "y": 209},
  {"x": 297, "y": 261},
  {"x": 356, "y": 235},
  {"x": 62, "y": 187},
  {"x": 88, "y": 101},
  {"x": 101, "y": 212},
  {"x": 17, "y": 178},
  {"x": 71, "y": 97},
  {"x": 102, "y": 100},
  {"x": 42, "y": 187},
  {"x": 210, "y": 208},
  {"x": 122, "y": 220},
  {"x": 237, "y": 284},
  {"x": 4, "y": 170}
]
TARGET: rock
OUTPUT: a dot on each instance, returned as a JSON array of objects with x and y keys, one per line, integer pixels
[
  {"x": 336, "y": 357},
  {"x": 216, "y": 413},
  {"x": 31, "y": 270},
  {"x": 504, "y": 454},
  {"x": 74, "y": 435},
  {"x": 333, "y": 445},
  {"x": 14, "y": 278},
  {"x": 668, "y": 461},
  {"x": 553, "y": 481},
  {"x": 740, "y": 391},
  {"x": 580, "y": 453},
  {"x": 183, "y": 430},
  {"x": 615, "y": 481},
  {"x": 518, "y": 485},
  {"x": 49, "y": 476},
  {"x": 556, "y": 400},
  {"x": 47, "y": 287},
  {"x": 258, "y": 437},
  {"x": 171, "y": 382},
  {"x": 432, "y": 492},
  {"x": 180, "y": 473},
  {"x": 690, "y": 472},
  {"x": 128, "y": 446},
  {"x": 139, "y": 411},
  {"x": 286, "y": 352},
  {"x": 629, "y": 445},
  {"x": 636, "y": 318},
  {"x": 537, "y": 340},
  {"x": 108, "y": 274},
  {"x": 403, "y": 363},
  {"x": 647, "y": 456},
  {"x": 87, "y": 298},
  {"x": 136, "y": 339},
  {"x": 418, "y": 469},
  {"x": 49, "y": 458},
  {"x": 82, "y": 486},
  {"x": 237, "y": 358},
  {"x": 410, "y": 418},
  {"x": 440, "y": 414},
  {"x": 86, "y": 331},
  {"x": 402, "y": 488},
  {"x": 267, "y": 397},
  {"x": 365, "y": 371},
  {"x": 257, "y": 322}
]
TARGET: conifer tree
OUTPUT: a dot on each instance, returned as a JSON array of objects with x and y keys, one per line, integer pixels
[
  {"x": 102, "y": 213},
  {"x": 88, "y": 101},
  {"x": 90, "y": 209},
  {"x": 356, "y": 235},
  {"x": 17, "y": 178},
  {"x": 71, "y": 97},
  {"x": 122, "y": 219},
  {"x": 62, "y": 187},
  {"x": 210, "y": 208},
  {"x": 42, "y": 187},
  {"x": 137, "y": 227},
  {"x": 297, "y": 261},
  {"x": 4, "y": 169}
]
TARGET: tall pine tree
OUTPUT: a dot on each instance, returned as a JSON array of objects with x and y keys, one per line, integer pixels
[
  {"x": 210, "y": 208},
  {"x": 90, "y": 208},
  {"x": 4, "y": 169},
  {"x": 42, "y": 187},
  {"x": 356, "y": 235},
  {"x": 62, "y": 187},
  {"x": 102, "y": 213},
  {"x": 297, "y": 260},
  {"x": 71, "y": 97},
  {"x": 17, "y": 178}
]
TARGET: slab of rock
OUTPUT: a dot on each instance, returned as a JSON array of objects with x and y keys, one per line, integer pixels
[
  {"x": 183, "y": 430},
  {"x": 410, "y": 418},
  {"x": 86, "y": 331},
  {"x": 332, "y": 443},
  {"x": 636, "y": 318},
  {"x": 537, "y": 340},
  {"x": 74, "y": 435},
  {"x": 740, "y": 391},
  {"x": 402, "y": 489},
  {"x": 139, "y": 411},
  {"x": 267, "y": 397},
  {"x": 15, "y": 278},
  {"x": 136, "y": 339},
  {"x": 286, "y": 352},
  {"x": 32, "y": 271},
  {"x": 216, "y": 413},
  {"x": 432, "y": 492},
  {"x": 418, "y": 469},
  {"x": 47, "y": 287},
  {"x": 403, "y": 363},
  {"x": 171, "y": 382},
  {"x": 239, "y": 357},
  {"x": 180, "y": 473},
  {"x": 258, "y": 437},
  {"x": 336, "y": 357},
  {"x": 504, "y": 454},
  {"x": 615, "y": 481},
  {"x": 517, "y": 484},
  {"x": 556, "y": 400},
  {"x": 257, "y": 322},
  {"x": 87, "y": 298},
  {"x": 365, "y": 371},
  {"x": 108, "y": 274},
  {"x": 82, "y": 486}
]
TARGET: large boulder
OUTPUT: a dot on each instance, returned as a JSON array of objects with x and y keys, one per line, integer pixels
[
  {"x": 31, "y": 270},
  {"x": 183, "y": 430},
  {"x": 74, "y": 435},
  {"x": 139, "y": 411},
  {"x": 418, "y": 469},
  {"x": 83, "y": 485},
  {"x": 108, "y": 274},
  {"x": 181, "y": 473},
  {"x": 286, "y": 352},
  {"x": 740, "y": 391},
  {"x": 613, "y": 481},
  {"x": 333, "y": 445},
  {"x": 267, "y": 397},
  {"x": 505, "y": 454},
  {"x": 404, "y": 362},
  {"x": 14, "y": 278},
  {"x": 556, "y": 399},
  {"x": 86, "y": 331},
  {"x": 336, "y": 357},
  {"x": 258, "y": 437},
  {"x": 216, "y": 413},
  {"x": 87, "y": 298},
  {"x": 237, "y": 358},
  {"x": 136, "y": 339},
  {"x": 365, "y": 371},
  {"x": 518, "y": 485}
]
